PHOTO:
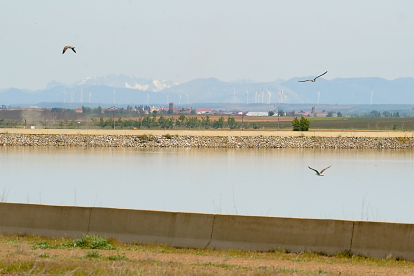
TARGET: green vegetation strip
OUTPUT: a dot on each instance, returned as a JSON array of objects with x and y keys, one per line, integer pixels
[{"x": 97, "y": 255}]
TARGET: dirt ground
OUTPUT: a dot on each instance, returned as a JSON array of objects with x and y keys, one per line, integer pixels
[{"x": 17, "y": 257}]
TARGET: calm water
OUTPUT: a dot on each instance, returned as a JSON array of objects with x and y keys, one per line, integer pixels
[{"x": 361, "y": 184}]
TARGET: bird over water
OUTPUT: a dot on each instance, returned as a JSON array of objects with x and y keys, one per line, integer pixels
[
  {"x": 313, "y": 80},
  {"x": 321, "y": 172},
  {"x": 68, "y": 47}
]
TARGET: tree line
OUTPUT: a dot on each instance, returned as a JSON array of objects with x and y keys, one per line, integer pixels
[{"x": 182, "y": 122}]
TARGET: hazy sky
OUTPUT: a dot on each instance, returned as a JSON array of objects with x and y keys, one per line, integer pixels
[{"x": 184, "y": 40}]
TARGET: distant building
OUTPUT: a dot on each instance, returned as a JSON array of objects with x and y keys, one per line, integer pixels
[
  {"x": 171, "y": 108},
  {"x": 251, "y": 113},
  {"x": 152, "y": 109},
  {"x": 182, "y": 110},
  {"x": 203, "y": 111},
  {"x": 302, "y": 113}
]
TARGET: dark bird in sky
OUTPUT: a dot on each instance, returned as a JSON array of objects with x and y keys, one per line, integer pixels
[
  {"x": 319, "y": 173},
  {"x": 313, "y": 80},
  {"x": 68, "y": 47}
]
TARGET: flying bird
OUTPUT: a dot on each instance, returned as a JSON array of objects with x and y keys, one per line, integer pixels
[
  {"x": 319, "y": 173},
  {"x": 68, "y": 47},
  {"x": 313, "y": 80}
]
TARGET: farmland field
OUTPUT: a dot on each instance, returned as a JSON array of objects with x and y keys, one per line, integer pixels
[{"x": 47, "y": 119}]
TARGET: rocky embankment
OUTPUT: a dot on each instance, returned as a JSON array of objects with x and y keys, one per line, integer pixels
[{"x": 164, "y": 141}]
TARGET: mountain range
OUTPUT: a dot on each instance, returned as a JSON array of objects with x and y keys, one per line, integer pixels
[{"x": 123, "y": 90}]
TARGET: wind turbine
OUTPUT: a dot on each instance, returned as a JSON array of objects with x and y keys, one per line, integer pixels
[
  {"x": 71, "y": 96},
  {"x": 262, "y": 95},
  {"x": 247, "y": 96},
  {"x": 81, "y": 96},
  {"x": 319, "y": 94},
  {"x": 90, "y": 94},
  {"x": 147, "y": 98},
  {"x": 269, "y": 95},
  {"x": 179, "y": 101},
  {"x": 234, "y": 96},
  {"x": 372, "y": 94},
  {"x": 281, "y": 96},
  {"x": 114, "y": 97},
  {"x": 64, "y": 97}
]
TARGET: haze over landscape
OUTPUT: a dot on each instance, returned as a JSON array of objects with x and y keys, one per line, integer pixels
[{"x": 206, "y": 52}]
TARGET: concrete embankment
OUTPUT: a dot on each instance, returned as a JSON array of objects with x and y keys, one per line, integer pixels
[
  {"x": 193, "y": 230},
  {"x": 207, "y": 139}
]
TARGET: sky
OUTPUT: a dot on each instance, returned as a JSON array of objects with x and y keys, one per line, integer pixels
[{"x": 185, "y": 40}]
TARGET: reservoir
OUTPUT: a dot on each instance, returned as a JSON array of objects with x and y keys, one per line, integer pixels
[{"x": 374, "y": 185}]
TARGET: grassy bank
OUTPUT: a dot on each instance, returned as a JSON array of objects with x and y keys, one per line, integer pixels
[{"x": 93, "y": 255}]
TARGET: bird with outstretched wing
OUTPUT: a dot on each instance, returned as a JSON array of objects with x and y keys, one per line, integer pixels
[
  {"x": 321, "y": 172},
  {"x": 313, "y": 80},
  {"x": 68, "y": 47}
]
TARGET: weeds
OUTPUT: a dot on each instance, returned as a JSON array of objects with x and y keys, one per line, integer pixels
[
  {"x": 85, "y": 242},
  {"x": 43, "y": 245},
  {"x": 92, "y": 242},
  {"x": 145, "y": 138},
  {"x": 135, "y": 259},
  {"x": 93, "y": 254},
  {"x": 119, "y": 257}
]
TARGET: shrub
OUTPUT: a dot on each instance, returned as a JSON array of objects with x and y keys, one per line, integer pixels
[
  {"x": 93, "y": 254},
  {"x": 300, "y": 125},
  {"x": 92, "y": 242},
  {"x": 42, "y": 245}
]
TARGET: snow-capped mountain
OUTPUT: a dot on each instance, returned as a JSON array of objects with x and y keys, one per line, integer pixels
[
  {"x": 122, "y": 89},
  {"x": 124, "y": 81}
]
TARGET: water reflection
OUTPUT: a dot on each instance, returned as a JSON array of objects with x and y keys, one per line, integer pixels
[{"x": 361, "y": 184}]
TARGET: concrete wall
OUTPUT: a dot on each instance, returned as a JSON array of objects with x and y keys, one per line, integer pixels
[
  {"x": 373, "y": 239},
  {"x": 212, "y": 132}
]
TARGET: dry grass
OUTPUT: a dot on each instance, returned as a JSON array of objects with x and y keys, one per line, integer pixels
[{"x": 34, "y": 255}]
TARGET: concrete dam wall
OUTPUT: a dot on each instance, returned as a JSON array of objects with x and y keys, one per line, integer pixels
[{"x": 214, "y": 231}]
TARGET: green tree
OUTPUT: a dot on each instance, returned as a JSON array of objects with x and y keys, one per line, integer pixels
[
  {"x": 231, "y": 122},
  {"x": 271, "y": 113},
  {"x": 219, "y": 123},
  {"x": 205, "y": 122},
  {"x": 101, "y": 122},
  {"x": 375, "y": 113},
  {"x": 304, "y": 124},
  {"x": 255, "y": 126},
  {"x": 330, "y": 114},
  {"x": 192, "y": 122},
  {"x": 339, "y": 114},
  {"x": 97, "y": 110},
  {"x": 386, "y": 114},
  {"x": 296, "y": 124},
  {"x": 146, "y": 122}
]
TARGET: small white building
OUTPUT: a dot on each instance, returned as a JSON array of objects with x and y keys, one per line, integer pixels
[{"x": 252, "y": 113}]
